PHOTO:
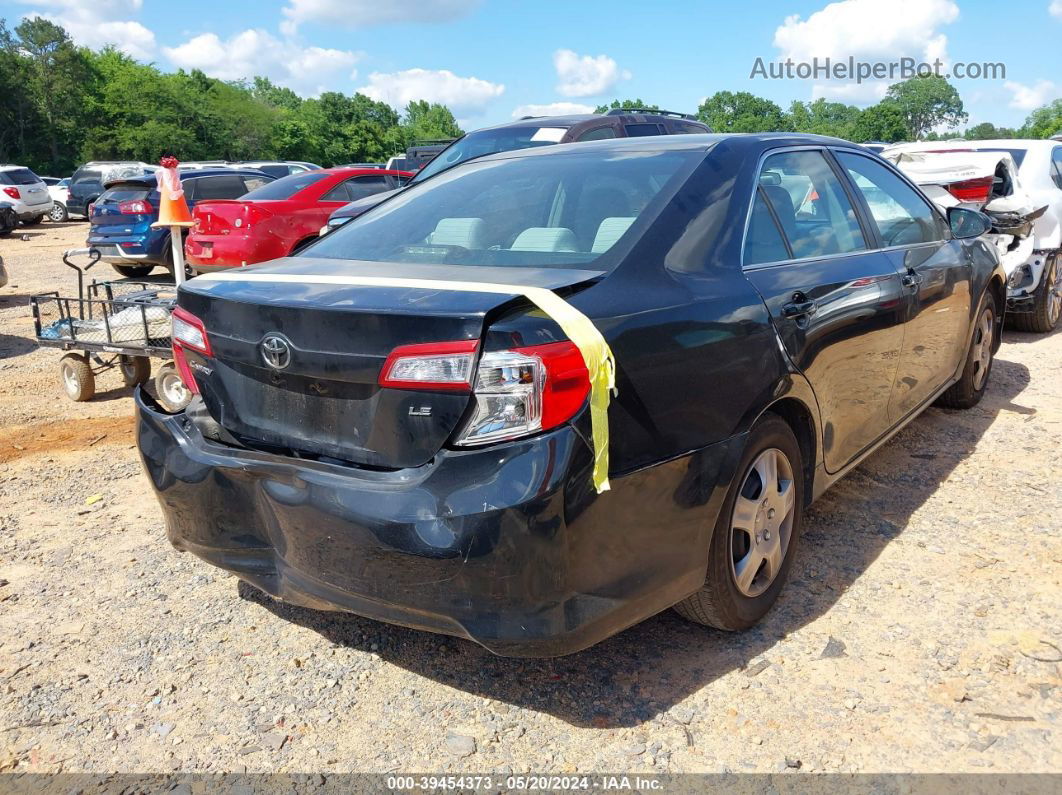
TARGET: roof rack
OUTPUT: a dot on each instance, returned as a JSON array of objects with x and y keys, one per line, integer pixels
[{"x": 671, "y": 113}]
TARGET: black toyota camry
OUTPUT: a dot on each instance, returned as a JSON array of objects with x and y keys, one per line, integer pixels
[{"x": 386, "y": 424}]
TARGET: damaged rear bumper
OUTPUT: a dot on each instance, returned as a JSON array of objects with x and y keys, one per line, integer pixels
[{"x": 507, "y": 546}]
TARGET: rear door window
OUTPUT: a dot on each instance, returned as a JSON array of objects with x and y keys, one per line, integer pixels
[
  {"x": 598, "y": 134},
  {"x": 763, "y": 241},
  {"x": 286, "y": 187},
  {"x": 686, "y": 128},
  {"x": 1056, "y": 166},
  {"x": 811, "y": 205},
  {"x": 903, "y": 218},
  {"x": 226, "y": 186},
  {"x": 641, "y": 130}
]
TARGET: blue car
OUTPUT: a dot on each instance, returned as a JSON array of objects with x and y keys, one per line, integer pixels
[{"x": 121, "y": 217}]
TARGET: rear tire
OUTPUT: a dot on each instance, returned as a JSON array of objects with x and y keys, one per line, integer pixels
[
  {"x": 970, "y": 388},
  {"x": 76, "y": 377},
  {"x": 756, "y": 534},
  {"x": 133, "y": 271},
  {"x": 135, "y": 370},
  {"x": 58, "y": 213},
  {"x": 173, "y": 394},
  {"x": 34, "y": 220},
  {"x": 1047, "y": 303}
]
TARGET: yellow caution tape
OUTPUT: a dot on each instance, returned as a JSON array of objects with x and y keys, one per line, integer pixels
[{"x": 600, "y": 363}]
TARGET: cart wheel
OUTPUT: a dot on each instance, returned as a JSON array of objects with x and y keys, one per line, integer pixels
[
  {"x": 173, "y": 394},
  {"x": 78, "y": 381},
  {"x": 135, "y": 370}
]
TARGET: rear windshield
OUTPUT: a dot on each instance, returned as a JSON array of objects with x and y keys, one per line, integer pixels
[
  {"x": 487, "y": 142},
  {"x": 542, "y": 211},
  {"x": 1017, "y": 154},
  {"x": 19, "y": 176},
  {"x": 124, "y": 193},
  {"x": 286, "y": 187}
]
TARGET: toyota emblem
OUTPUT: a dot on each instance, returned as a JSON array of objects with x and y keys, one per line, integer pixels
[{"x": 276, "y": 351}]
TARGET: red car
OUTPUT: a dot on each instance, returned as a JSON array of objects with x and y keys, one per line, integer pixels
[{"x": 278, "y": 219}]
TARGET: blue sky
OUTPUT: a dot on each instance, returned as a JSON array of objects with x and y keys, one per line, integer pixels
[{"x": 493, "y": 59}]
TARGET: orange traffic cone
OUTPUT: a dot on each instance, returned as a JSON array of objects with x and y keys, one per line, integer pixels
[{"x": 173, "y": 209}]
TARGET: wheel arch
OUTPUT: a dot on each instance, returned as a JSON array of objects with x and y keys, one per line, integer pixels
[
  {"x": 998, "y": 289},
  {"x": 800, "y": 419}
]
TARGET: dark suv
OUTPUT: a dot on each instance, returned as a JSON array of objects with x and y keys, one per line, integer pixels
[
  {"x": 534, "y": 131},
  {"x": 88, "y": 182}
]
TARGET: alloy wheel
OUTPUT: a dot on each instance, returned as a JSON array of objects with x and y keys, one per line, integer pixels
[
  {"x": 1054, "y": 295},
  {"x": 982, "y": 348},
  {"x": 761, "y": 524}
]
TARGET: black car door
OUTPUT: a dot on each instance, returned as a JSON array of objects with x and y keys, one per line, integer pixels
[
  {"x": 836, "y": 301},
  {"x": 935, "y": 272}
]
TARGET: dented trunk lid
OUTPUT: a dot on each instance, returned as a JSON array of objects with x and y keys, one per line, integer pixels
[{"x": 326, "y": 401}]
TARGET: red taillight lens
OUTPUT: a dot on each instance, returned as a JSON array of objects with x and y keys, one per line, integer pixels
[
  {"x": 525, "y": 390},
  {"x": 13, "y": 193},
  {"x": 972, "y": 190},
  {"x": 189, "y": 333},
  {"x": 434, "y": 366},
  {"x": 135, "y": 207}
]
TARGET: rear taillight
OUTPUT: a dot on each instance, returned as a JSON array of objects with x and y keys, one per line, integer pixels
[
  {"x": 189, "y": 333},
  {"x": 135, "y": 207},
  {"x": 445, "y": 366},
  {"x": 972, "y": 190},
  {"x": 13, "y": 193},
  {"x": 525, "y": 390}
]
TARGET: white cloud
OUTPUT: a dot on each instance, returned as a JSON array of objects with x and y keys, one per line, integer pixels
[
  {"x": 867, "y": 30},
  {"x": 256, "y": 52},
  {"x": 1031, "y": 97},
  {"x": 1055, "y": 9},
  {"x": 362, "y": 13},
  {"x": 586, "y": 75},
  {"x": 460, "y": 94},
  {"x": 99, "y": 23},
  {"x": 552, "y": 109}
]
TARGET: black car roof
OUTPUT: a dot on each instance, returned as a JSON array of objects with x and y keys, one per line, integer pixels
[
  {"x": 192, "y": 174},
  {"x": 674, "y": 143}
]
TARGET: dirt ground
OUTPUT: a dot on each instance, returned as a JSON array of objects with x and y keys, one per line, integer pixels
[{"x": 921, "y": 629}]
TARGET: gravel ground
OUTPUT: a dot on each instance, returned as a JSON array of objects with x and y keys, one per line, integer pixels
[{"x": 920, "y": 631}]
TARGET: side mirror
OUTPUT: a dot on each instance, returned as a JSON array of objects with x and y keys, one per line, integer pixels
[{"x": 967, "y": 223}]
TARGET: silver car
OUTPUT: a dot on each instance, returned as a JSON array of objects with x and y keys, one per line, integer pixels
[{"x": 26, "y": 192}]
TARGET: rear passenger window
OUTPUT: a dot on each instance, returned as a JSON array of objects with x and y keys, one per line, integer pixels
[
  {"x": 360, "y": 187},
  {"x": 221, "y": 187},
  {"x": 1056, "y": 166},
  {"x": 640, "y": 130},
  {"x": 687, "y": 128},
  {"x": 598, "y": 134},
  {"x": 811, "y": 205},
  {"x": 764, "y": 242},
  {"x": 903, "y": 218}
]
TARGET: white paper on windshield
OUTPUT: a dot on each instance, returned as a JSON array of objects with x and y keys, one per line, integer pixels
[{"x": 551, "y": 134}]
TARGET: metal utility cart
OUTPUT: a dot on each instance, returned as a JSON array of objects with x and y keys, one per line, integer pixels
[{"x": 110, "y": 324}]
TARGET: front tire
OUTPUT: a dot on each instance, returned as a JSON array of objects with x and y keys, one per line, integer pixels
[
  {"x": 756, "y": 534},
  {"x": 133, "y": 271},
  {"x": 77, "y": 379},
  {"x": 1047, "y": 304},
  {"x": 970, "y": 388}
]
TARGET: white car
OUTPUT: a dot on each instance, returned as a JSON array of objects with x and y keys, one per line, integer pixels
[
  {"x": 27, "y": 194},
  {"x": 59, "y": 189},
  {"x": 1018, "y": 184}
]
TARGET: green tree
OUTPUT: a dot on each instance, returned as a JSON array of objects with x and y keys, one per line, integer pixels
[
  {"x": 264, "y": 90},
  {"x": 625, "y": 104},
  {"x": 56, "y": 73},
  {"x": 426, "y": 121},
  {"x": 1044, "y": 122},
  {"x": 823, "y": 118},
  {"x": 741, "y": 112},
  {"x": 881, "y": 122},
  {"x": 986, "y": 131},
  {"x": 927, "y": 102}
]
